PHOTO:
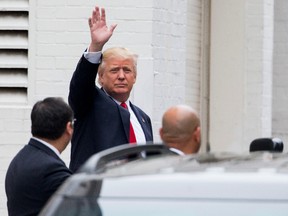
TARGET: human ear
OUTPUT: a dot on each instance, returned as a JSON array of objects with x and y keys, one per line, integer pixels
[
  {"x": 70, "y": 128},
  {"x": 161, "y": 133},
  {"x": 197, "y": 134}
]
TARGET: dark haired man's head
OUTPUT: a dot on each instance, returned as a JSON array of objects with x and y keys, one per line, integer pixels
[{"x": 50, "y": 117}]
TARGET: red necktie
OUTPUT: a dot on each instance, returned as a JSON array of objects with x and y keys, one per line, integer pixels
[{"x": 132, "y": 137}]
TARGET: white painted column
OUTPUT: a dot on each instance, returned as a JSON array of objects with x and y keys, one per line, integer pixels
[{"x": 241, "y": 68}]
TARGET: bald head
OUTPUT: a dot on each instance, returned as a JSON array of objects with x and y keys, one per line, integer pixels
[{"x": 181, "y": 129}]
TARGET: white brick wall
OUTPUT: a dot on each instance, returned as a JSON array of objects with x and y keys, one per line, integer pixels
[
  {"x": 194, "y": 42},
  {"x": 176, "y": 54},
  {"x": 14, "y": 132},
  {"x": 168, "y": 44}
]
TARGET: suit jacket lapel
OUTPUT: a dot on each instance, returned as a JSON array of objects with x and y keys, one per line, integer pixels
[
  {"x": 125, "y": 116},
  {"x": 141, "y": 120}
]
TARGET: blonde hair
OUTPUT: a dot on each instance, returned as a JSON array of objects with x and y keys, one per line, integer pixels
[{"x": 117, "y": 52}]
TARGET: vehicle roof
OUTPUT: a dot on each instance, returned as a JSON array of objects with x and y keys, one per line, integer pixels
[
  {"x": 223, "y": 175},
  {"x": 224, "y": 162}
]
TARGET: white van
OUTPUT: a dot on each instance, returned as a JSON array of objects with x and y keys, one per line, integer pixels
[{"x": 162, "y": 183}]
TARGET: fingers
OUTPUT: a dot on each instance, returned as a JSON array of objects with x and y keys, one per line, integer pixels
[
  {"x": 103, "y": 14},
  {"x": 99, "y": 17},
  {"x": 97, "y": 13}
]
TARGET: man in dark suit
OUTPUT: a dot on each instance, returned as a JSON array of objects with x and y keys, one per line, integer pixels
[
  {"x": 101, "y": 121},
  {"x": 37, "y": 171}
]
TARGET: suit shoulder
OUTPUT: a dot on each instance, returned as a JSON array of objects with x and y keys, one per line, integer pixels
[{"x": 138, "y": 109}]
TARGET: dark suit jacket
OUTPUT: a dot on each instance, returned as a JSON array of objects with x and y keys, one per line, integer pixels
[
  {"x": 33, "y": 176},
  {"x": 100, "y": 122}
]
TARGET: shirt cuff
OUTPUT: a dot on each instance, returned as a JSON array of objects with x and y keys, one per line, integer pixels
[{"x": 93, "y": 57}]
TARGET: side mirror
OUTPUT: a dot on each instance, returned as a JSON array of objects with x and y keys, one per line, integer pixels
[{"x": 267, "y": 144}]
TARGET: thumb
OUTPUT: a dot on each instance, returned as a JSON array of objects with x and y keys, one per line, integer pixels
[{"x": 112, "y": 27}]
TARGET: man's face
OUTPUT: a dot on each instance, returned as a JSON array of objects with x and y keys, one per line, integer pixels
[{"x": 118, "y": 78}]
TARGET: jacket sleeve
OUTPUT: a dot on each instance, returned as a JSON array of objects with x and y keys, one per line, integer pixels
[
  {"x": 55, "y": 175},
  {"x": 82, "y": 86}
]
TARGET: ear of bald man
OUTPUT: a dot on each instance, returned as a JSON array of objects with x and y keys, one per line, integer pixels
[{"x": 189, "y": 146}]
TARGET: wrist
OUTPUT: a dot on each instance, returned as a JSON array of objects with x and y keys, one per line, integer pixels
[{"x": 95, "y": 48}]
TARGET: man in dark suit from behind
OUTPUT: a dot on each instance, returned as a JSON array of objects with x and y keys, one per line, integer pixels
[
  {"x": 102, "y": 121},
  {"x": 37, "y": 171}
]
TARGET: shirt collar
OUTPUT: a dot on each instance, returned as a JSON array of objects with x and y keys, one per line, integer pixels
[
  {"x": 118, "y": 102},
  {"x": 177, "y": 151},
  {"x": 48, "y": 145}
]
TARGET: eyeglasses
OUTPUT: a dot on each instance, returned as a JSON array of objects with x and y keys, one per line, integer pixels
[{"x": 73, "y": 122}]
